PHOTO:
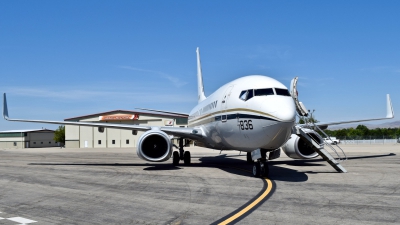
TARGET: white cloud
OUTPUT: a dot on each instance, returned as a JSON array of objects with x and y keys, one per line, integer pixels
[
  {"x": 174, "y": 80},
  {"x": 75, "y": 94}
]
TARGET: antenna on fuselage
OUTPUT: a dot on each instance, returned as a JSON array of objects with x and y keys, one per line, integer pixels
[{"x": 200, "y": 87}]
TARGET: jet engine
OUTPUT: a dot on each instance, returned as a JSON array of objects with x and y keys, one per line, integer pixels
[
  {"x": 298, "y": 147},
  {"x": 154, "y": 146}
]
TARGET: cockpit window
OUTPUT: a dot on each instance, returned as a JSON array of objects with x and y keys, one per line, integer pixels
[
  {"x": 263, "y": 92},
  {"x": 243, "y": 95},
  {"x": 250, "y": 95},
  {"x": 246, "y": 94},
  {"x": 283, "y": 92}
]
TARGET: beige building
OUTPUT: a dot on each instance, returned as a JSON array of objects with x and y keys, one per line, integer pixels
[
  {"x": 27, "y": 139},
  {"x": 100, "y": 137}
]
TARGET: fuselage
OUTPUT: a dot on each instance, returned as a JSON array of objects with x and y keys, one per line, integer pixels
[{"x": 246, "y": 114}]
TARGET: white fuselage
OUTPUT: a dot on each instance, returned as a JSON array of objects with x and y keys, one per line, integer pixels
[{"x": 232, "y": 121}]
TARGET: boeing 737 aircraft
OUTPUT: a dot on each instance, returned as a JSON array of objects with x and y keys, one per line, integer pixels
[{"x": 255, "y": 114}]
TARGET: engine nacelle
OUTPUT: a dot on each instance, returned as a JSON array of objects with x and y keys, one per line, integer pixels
[
  {"x": 154, "y": 146},
  {"x": 300, "y": 148}
]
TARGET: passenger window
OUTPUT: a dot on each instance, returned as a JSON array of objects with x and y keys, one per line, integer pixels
[
  {"x": 283, "y": 92},
  {"x": 223, "y": 118},
  {"x": 264, "y": 92},
  {"x": 243, "y": 95}
]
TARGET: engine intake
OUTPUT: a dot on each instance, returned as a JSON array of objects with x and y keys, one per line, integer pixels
[
  {"x": 300, "y": 148},
  {"x": 154, "y": 146}
]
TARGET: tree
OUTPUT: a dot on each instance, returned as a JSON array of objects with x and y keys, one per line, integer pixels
[
  {"x": 363, "y": 130},
  {"x": 59, "y": 135},
  {"x": 310, "y": 119},
  {"x": 341, "y": 133}
]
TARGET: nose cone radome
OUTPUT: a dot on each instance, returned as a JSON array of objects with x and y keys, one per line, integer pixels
[
  {"x": 281, "y": 107},
  {"x": 287, "y": 112}
]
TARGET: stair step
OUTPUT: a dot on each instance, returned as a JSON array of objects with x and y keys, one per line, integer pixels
[{"x": 322, "y": 152}]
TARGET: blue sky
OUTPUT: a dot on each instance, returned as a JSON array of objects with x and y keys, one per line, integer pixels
[{"x": 60, "y": 59}]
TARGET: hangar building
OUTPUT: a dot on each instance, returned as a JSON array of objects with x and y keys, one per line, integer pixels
[
  {"x": 27, "y": 139},
  {"x": 100, "y": 137}
]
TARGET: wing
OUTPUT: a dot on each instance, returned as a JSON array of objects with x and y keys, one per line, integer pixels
[
  {"x": 389, "y": 115},
  {"x": 154, "y": 110},
  {"x": 190, "y": 133}
]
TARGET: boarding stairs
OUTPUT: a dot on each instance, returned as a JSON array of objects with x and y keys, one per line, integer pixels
[{"x": 321, "y": 149}]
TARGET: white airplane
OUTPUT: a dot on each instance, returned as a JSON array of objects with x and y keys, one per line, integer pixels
[{"x": 255, "y": 114}]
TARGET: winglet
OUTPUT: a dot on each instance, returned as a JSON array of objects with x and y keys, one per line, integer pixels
[
  {"x": 200, "y": 87},
  {"x": 5, "y": 109},
  {"x": 389, "y": 107}
]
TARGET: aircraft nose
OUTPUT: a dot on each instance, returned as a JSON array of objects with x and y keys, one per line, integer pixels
[
  {"x": 288, "y": 110},
  {"x": 283, "y": 108}
]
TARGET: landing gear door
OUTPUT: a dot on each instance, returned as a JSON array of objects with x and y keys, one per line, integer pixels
[{"x": 301, "y": 109}]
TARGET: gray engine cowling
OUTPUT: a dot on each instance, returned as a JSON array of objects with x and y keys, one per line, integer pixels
[
  {"x": 154, "y": 146},
  {"x": 299, "y": 148}
]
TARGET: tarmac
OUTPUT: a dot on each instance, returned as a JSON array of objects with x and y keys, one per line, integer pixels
[{"x": 114, "y": 186}]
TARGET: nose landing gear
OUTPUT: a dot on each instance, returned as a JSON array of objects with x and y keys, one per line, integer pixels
[
  {"x": 260, "y": 169},
  {"x": 260, "y": 166},
  {"x": 181, "y": 155}
]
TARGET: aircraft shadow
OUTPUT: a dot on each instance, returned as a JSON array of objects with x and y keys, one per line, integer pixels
[
  {"x": 226, "y": 163},
  {"x": 310, "y": 162}
]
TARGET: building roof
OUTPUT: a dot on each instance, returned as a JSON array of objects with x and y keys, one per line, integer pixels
[
  {"x": 141, "y": 112},
  {"x": 26, "y": 131}
]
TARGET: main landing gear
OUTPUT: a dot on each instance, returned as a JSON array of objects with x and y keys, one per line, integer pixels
[
  {"x": 181, "y": 155},
  {"x": 260, "y": 166}
]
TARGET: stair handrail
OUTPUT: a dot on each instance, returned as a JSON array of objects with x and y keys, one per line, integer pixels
[{"x": 329, "y": 145}]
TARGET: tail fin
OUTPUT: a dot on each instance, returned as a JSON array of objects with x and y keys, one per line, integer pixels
[{"x": 200, "y": 87}]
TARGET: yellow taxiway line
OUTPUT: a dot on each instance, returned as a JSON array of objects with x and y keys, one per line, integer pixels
[{"x": 251, "y": 205}]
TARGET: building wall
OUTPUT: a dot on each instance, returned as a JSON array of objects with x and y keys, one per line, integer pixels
[
  {"x": 12, "y": 142},
  {"x": 76, "y": 136},
  {"x": 127, "y": 135},
  {"x": 100, "y": 136},
  {"x": 72, "y": 144},
  {"x": 31, "y": 140},
  {"x": 86, "y": 137},
  {"x": 41, "y": 139},
  {"x": 71, "y": 136}
]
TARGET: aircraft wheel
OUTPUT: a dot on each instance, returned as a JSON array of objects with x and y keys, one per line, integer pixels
[
  {"x": 264, "y": 169},
  {"x": 186, "y": 158},
  {"x": 256, "y": 169},
  {"x": 248, "y": 158},
  {"x": 175, "y": 158}
]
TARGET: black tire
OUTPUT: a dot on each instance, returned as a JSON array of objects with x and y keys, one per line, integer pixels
[
  {"x": 256, "y": 169},
  {"x": 175, "y": 158},
  {"x": 264, "y": 169},
  {"x": 186, "y": 158},
  {"x": 248, "y": 158}
]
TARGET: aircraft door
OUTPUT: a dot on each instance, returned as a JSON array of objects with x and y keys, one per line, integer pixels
[
  {"x": 224, "y": 103},
  {"x": 301, "y": 109}
]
